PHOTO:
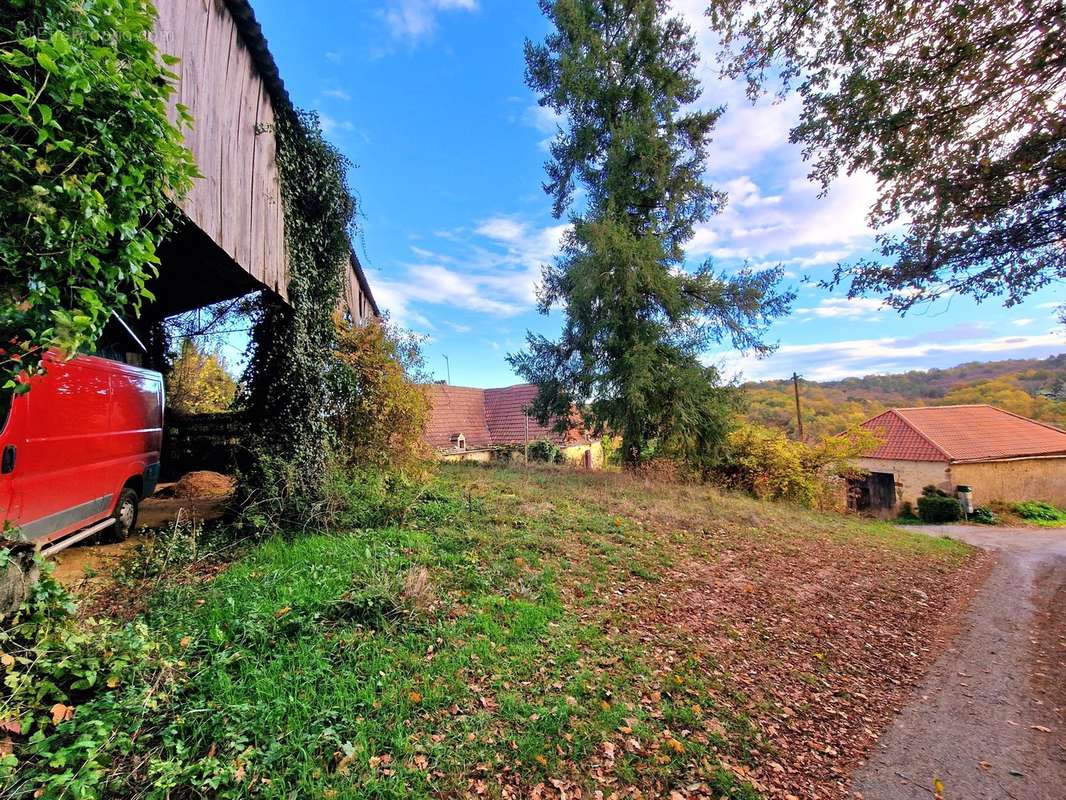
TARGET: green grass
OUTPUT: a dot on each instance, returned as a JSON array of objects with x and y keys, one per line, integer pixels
[
  {"x": 312, "y": 669},
  {"x": 477, "y": 648}
]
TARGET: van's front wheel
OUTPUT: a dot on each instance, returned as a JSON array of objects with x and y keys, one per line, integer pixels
[{"x": 125, "y": 516}]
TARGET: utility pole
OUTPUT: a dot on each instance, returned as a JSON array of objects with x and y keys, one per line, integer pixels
[
  {"x": 448, "y": 366},
  {"x": 799, "y": 415}
]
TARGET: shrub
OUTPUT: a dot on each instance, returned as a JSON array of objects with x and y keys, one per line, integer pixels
[
  {"x": 375, "y": 498},
  {"x": 932, "y": 491},
  {"x": 167, "y": 551},
  {"x": 1039, "y": 511},
  {"x": 90, "y": 167},
  {"x": 983, "y": 516},
  {"x": 284, "y": 391},
  {"x": 378, "y": 411},
  {"x": 545, "y": 450},
  {"x": 77, "y": 695},
  {"x": 934, "y": 508},
  {"x": 906, "y": 510},
  {"x": 767, "y": 464}
]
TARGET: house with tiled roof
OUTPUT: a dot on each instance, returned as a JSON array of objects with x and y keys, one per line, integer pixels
[
  {"x": 1000, "y": 455},
  {"x": 485, "y": 424}
]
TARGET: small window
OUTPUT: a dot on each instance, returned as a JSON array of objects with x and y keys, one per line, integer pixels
[{"x": 460, "y": 442}]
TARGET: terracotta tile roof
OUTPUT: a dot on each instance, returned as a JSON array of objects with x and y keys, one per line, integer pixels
[
  {"x": 962, "y": 433},
  {"x": 456, "y": 410},
  {"x": 486, "y": 417},
  {"x": 505, "y": 413}
]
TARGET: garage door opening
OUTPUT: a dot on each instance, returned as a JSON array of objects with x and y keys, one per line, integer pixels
[{"x": 875, "y": 492}]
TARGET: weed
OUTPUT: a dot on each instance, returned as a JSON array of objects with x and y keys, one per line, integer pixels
[{"x": 1036, "y": 511}]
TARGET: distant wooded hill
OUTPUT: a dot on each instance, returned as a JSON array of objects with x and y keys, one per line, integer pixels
[{"x": 1034, "y": 388}]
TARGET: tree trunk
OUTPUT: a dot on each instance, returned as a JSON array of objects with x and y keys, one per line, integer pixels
[
  {"x": 631, "y": 449},
  {"x": 17, "y": 576}
]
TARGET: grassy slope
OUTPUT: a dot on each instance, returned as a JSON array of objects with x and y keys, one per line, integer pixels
[{"x": 556, "y": 645}]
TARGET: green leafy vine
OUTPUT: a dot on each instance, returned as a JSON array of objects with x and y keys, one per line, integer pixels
[
  {"x": 284, "y": 393},
  {"x": 90, "y": 168}
]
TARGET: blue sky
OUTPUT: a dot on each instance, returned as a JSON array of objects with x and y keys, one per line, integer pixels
[{"x": 426, "y": 97}]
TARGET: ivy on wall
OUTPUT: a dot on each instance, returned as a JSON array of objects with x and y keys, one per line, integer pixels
[
  {"x": 90, "y": 167},
  {"x": 284, "y": 393}
]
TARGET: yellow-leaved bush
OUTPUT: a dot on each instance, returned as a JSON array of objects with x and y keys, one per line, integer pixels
[
  {"x": 767, "y": 464},
  {"x": 378, "y": 410}
]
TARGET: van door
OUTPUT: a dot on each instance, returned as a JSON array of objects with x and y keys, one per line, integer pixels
[
  {"x": 62, "y": 471},
  {"x": 8, "y": 458}
]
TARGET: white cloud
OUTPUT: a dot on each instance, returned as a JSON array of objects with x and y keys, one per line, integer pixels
[
  {"x": 1021, "y": 323},
  {"x": 492, "y": 270},
  {"x": 788, "y": 224},
  {"x": 415, "y": 20},
  {"x": 337, "y": 94},
  {"x": 845, "y": 307},
  {"x": 331, "y": 125},
  {"x": 545, "y": 120},
  {"x": 504, "y": 229},
  {"x": 334, "y": 56},
  {"x": 853, "y": 357}
]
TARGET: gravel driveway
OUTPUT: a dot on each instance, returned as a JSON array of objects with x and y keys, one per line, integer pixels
[{"x": 989, "y": 719}]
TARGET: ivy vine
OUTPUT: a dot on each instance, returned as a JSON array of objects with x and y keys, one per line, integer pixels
[
  {"x": 284, "y": 393},
  {"x": 90, "y": 168}
]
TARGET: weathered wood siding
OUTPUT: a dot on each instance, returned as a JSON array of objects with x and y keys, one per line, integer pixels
[
  {"x": 238, "y": 201},
  {"x": 355, "y": 301}
]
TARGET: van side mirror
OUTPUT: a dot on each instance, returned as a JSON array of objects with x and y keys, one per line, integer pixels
[{"x": 7, "y": 461}]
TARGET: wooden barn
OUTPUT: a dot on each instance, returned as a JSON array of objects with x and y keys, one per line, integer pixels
[{"x": 234, "y": 242}]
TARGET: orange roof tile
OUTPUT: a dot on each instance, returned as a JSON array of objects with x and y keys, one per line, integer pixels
[
  {"x": 486, "y": 417},
  {"x": 455, "y": 410},
  {"x": 962, "y": 433}
]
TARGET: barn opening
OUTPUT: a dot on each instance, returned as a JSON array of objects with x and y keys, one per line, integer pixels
[{"x": 874, "y": 492}]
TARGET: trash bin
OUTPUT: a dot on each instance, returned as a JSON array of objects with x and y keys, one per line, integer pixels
[{"x": 965, "y": 495}]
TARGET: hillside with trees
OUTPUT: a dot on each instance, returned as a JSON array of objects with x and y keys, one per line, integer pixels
[{"x": 1034, "y": 388}]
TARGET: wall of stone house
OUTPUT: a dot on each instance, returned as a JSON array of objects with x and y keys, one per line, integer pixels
[
  {"x": 467, "y": 455},
  {"x": 1014, "y": 481},
  {"x": 575, "y": 454},
  {"x": 911, "y": 476}
]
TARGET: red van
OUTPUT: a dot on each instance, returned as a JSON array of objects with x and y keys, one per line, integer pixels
[{"x": 80, "y": 449}]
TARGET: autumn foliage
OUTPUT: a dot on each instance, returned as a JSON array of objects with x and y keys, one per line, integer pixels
[
  {"x": 378, "y": 411},
  {"x": 198, "y": 382},
  {"x": 770, "y": 466}
]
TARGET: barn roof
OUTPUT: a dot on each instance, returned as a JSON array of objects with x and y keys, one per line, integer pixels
[
  {"x": 363, "y": 283},
  {"x": 252, "y": 34},
  {"x": 486, "y": 417},
  {"x": 505, "y": 412},
  {"x": 962, "y": 433}
]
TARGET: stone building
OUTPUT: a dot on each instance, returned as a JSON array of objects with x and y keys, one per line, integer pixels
[{"x": 1000, "y": 455}]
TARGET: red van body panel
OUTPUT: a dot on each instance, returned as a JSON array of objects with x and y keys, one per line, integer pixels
[{"x": 86, "y": 429}]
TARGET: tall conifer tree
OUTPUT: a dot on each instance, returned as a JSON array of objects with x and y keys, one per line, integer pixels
[{"x": 621, "y": 75}]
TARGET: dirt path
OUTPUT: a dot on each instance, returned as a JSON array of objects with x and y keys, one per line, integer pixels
[
  {"x": 989, "y": 720},
  {"x": 81, "y": 566}
]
